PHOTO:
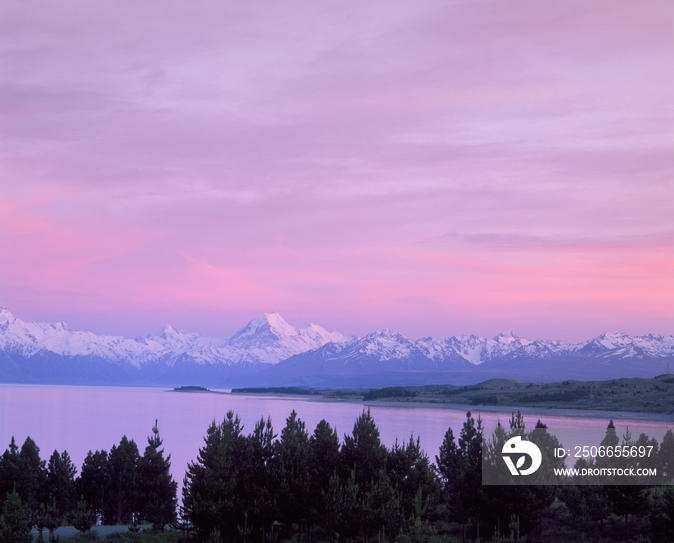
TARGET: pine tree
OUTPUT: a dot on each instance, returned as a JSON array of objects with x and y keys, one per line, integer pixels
[
  {"x": 291, "y": 472},
  {"x": 61, "y": 483},
  {"x": 666, "y": 456},
  {"x": 121, "y": 503},
  {"x": 625, "y": 500},
  {"x": 10, "y": 470},
  {"x": 93, "y": 484},
  {"x": 213, "y": 486},
  {"x": 364, "y": 452},
  {"x": 15, "y": 522},
  {"x": 540, "y": 493},
  {"x": 588, "y": 504},
  {"x": 518, "y": 504},
  {"x": 260, "y": 501},
  {"x": 409, "y": 470},
  {"x": 48, "y": 519},
  {"x": 366, "y": 458},
  {"x": 83, "y": 517},
  {"x": 448, "y": 462},
  {"x": 156, "y": 489},
  {"x": 345, "y": 515},
  {"x": 468, "y": 489},
  {"x": 24, "y": 472},
  {"x": 381, "y": 509},
  {"x": 33, "y": 475},
  {"x": 324, "y": 447}
]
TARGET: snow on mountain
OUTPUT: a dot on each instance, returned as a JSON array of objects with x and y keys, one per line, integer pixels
[
  {"x": 266, "y": 339},
  {"x": 270, "y": 336},
  {"x": 387, "y": 345},
  {"x": 623, "y": 345}
]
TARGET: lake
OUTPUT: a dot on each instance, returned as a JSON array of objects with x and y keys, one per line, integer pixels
[{"x": 81, "y": 418}]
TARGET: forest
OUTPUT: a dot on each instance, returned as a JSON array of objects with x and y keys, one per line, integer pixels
[{"x": 264, "y": 487}]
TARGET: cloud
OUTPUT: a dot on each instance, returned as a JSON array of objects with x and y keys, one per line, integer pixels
[{"x": 434, "y": 160}]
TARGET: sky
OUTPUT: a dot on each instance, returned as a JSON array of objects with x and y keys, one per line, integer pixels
[{"x": 433, "y": 167}]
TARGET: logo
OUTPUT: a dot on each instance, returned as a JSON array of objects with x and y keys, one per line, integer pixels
[{"x": 516, "y": 448}]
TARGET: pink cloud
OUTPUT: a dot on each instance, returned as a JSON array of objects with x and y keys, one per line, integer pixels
[{"x": 436, "y": 168}]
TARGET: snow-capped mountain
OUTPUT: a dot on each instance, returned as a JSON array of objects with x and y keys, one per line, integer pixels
[
  {"x": 385, "y": 357},
  {"x": 508, "y": 345},
  {"x": 270, "y": 339},
  {"x": 265, "y": 340},
  {"x": 626, "y": 346},
  {"x": 268, "y": 348}
]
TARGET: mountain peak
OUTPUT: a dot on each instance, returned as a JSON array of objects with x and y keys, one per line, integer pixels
[
  {"x": 270, "y": 333},
  {"x": 506, "y": 337},
  {"x": 385, "y": 332},
  {"x": 612, "y": 335},
  {"x": 385, "y": 335},
  {"x": 277, "y": 322},
  {"x": 267, "y": 323},
  {"x": 6, "y": 315},
  {"x": 164, "y": 332}
]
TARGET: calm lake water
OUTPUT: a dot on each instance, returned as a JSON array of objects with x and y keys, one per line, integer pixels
[{"x": 79, "y": 419}]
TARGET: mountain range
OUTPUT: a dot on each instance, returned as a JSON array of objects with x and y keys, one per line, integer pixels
[{"x": 270, "y": 352}]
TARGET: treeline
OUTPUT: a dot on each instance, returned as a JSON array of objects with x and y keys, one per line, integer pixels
[
  {"x": 507, "y": 509},
  {"x": 256, "y": 487},
  {"x": 364, "y": 490},
  {"x": 275, "y": 390},
  {"x": 267, "y": 487},
  {"x": 561, "y": 396},
  {"x": 389, "y": 392},
  {"x": 115, "y": 487}
]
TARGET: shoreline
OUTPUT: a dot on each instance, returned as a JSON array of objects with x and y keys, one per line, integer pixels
[
  {"x": 576, "y": 412},
  {"x": 588, "y": 413},
  {"x": 583, "y": 413}
]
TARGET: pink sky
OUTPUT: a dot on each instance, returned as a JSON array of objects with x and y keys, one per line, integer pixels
[{"x": 437, "y": 168}]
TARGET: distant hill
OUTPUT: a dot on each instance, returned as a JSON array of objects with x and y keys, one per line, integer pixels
[{"x": 636, "y": 394}]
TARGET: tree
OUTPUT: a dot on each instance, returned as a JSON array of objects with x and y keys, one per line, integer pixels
[
  {"x": 24, "y": 472},
  {"x": 15, "y": 523},
  {"x": 588, "y": 504},
  {"x": 291, "y": 472},
  {"x": 61, "y": 483},
  {"x": 522, "y": 500},
  {"x": 364, "y": 452},
  {"x": 259, "y": 497},
  {"x": 625, "y": 499},
  {"x": 541, "y": 494},
  {"x": 83, "y": 517},
  {"x": 345, "y": 509},
  {"x": 469, "y": 496},
  {"x": 324, "y": 453},
  {"x": 665, "y": 523},
  {"x": 10, "y": 470},
  {"x": 46, "y": 518},
  {"x": 122, "y": 462},
  {"x": 448, "y": 462},
  {"x": 417, "y": 530},
  {"x": 410, "y": 472},
  {"x": 33, "y": 474},
  {"x": 365, "y": 457},
  {"x": 156, "y": 489},
  {"x": 381, "y": 508},
  {"x": 93, "y": 484},
  {"x": 213, "y": 486},
  {"x": 666, "y": 456}
]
